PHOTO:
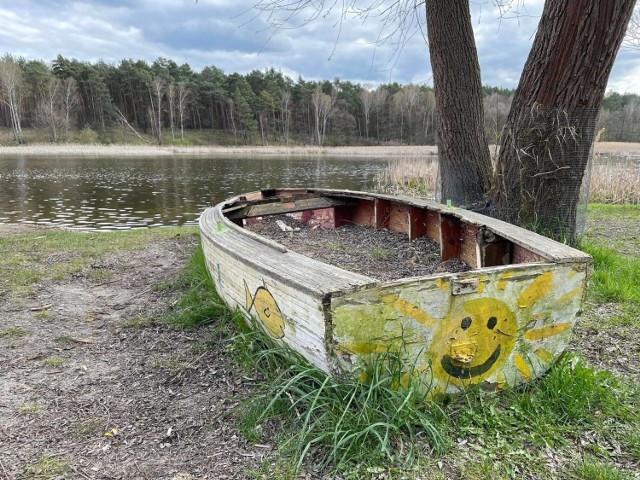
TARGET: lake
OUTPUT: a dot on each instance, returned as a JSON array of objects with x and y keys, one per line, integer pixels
[{"x": 113, "y": 193}]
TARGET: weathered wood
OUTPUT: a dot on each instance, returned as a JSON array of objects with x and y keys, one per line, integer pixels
[
  {"x": 282, "y": 206},
  {"x": 382, "y": 211},
  {"x": 441, "y": 324},
  {"x": 507, "y": 326},
  {"x": 450, "y": 237}
]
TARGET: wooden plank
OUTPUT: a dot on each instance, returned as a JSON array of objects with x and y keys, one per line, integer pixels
[
  {"x": 417, "y": 227},
  {"x": 312, "y": 276},
  {"x": 399, "y": 217},
  {"x": 432, "y": 225},
  {"x": 544, "y": 247},
  {"x": 468, "y": 245},
  {"x": 493, "y": 250},
  {"x": 533, "y": 307},
  {"x": 281, "y": 206},
  {"x": 522, "y": 254},
  {"x": 450, "y": 237},
  {"x": 362, "y": 214},
  {"x": 382, "y": 209}
]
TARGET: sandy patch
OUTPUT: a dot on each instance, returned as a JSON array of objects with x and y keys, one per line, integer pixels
[{"x": 151, "y": 150}]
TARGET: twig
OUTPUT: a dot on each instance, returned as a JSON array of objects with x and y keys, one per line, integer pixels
[
  {"x": 81, "y": 473},
  {"x": 5, "y": 472}
]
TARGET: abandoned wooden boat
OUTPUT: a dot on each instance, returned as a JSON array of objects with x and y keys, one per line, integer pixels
[{"x": 500, "y": 324}]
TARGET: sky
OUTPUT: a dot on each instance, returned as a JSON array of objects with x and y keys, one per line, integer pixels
[{"x": 235, "y": 36}]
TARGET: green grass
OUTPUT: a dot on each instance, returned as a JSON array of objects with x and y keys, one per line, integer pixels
[
  {"x": 380, "y": 253},
  {"x": 12, "y": 332},
  {"x": 199, "y": 303},
  {"x": 53, "y": 361},
  {"x": 615, "y": 278},
  {"x": 385, "y": 426},
  {"x": 28, "y": 409},
  {"x": 614, "y": 226},
  {"x": 47, "y": 468},
  {"x": 590, "y": 468},
  {"x": 385, "y": 418},
  {"x": 54, "y": 254}
]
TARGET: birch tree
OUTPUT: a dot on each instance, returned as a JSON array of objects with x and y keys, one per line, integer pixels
[
  {"x": 183, "y": 105},
  {"x": 49, "y": 110},
  {"x": 366, "y": 96},
  {"x": 10, "y": 94},
  {"x": 323, "y": 107},
  {"x": 156, "y": 95}
]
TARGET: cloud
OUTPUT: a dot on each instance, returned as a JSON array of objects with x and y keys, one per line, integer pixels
[{"x": 230, "y": 35}]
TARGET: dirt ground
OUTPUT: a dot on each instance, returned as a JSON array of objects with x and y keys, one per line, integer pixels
[
  {"x": 86, "y": 396},
  {"x": 85, "y": 389}
]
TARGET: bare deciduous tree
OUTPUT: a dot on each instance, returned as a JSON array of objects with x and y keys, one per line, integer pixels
[
  {"x": 366, "y": 96},
  {"x": 70, "y": 99},
  {"x": 285, "y": 100},
  {"x": 171, "y": 99},
  {"x": 183, "y": 105},
  {"x": 11, "y": 83},
  {"x": 156, "y": 95},
  {"x": 323, "y": 106},
  {"x": 379, "y": 101},
  {"x": 50, "y": 109}
]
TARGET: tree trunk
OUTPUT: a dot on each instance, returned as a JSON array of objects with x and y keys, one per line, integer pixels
[
  {"x": 465, "y": 164},
  {"x": 546, "y": 143}
]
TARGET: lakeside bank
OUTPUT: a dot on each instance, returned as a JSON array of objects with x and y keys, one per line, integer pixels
[
  {"x": 158, "y": 150},
  {"x": 407, "y": 151}
]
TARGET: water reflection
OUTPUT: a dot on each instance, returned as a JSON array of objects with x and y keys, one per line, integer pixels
[{"x": 134, "y": 192}]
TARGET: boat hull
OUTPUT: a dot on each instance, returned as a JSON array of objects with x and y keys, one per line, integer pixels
[{"x": 501, "y": 324}]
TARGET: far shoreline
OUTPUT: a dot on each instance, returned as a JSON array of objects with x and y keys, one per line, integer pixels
[
  {"x": 121, "y": 150},
  {"x": 172, "y": 150}
]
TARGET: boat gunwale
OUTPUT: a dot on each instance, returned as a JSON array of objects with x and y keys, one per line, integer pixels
[{"x": 363, "y": 281}]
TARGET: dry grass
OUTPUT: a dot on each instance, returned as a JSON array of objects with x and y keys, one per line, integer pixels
[
  {"x": 613, "y": 180},
  {"x": 153, "y": 150},
  {"x": 407, "y": 176}
]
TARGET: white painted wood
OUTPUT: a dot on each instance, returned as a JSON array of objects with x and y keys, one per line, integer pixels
[{"x": 333, "y": 317}]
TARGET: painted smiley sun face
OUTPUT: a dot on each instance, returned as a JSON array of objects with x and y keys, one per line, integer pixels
[{"x": 474, "y": 341}]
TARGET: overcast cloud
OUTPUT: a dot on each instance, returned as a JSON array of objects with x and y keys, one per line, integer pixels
[{"x": 226, "y": 34}]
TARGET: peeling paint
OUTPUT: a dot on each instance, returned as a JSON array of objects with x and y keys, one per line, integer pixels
[
  {"x": 484, "y": 336},
  {"x": 545, "y": 332},
  {"x": 540, "y": 288},
  {"x": 522, "y": 366}
]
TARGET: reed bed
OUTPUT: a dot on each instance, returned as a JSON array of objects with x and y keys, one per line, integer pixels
[
  {"x": 614, "y": 180},
  {"x": 412, "y": 151},
  {"x": 414, "y": 177}
]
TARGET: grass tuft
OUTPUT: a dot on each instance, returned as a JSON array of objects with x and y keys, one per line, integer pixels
[
  {"x": 593, "y": 469},
  {"x": 47, "y": 468},
  {"x": 12, "y": 332},
  {"x": 615, "y": 278},
  {"x": 385, "y": 419},
  {"x": 199, "y": 303}
]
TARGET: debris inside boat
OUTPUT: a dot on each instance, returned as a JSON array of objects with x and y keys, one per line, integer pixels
[{"x": 382, "y": 254}]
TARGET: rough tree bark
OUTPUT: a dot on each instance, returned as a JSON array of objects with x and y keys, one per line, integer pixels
[
  {"x": 465, "y": 163},
  {"x": 546, "y": 143}
]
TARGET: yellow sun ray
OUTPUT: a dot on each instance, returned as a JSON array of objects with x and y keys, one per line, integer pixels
[
  {"x": 546, "y": 332},
  {"x": 409, "y": 310},
  {"x": 539, "y": 289},
  {"x": 572, "y": 293},
  {"x": 522, "y": 366},
  {"x": 543, "y": 355}
]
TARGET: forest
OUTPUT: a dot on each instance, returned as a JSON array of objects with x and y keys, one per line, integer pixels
[{"x": 166, "y": 103}]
